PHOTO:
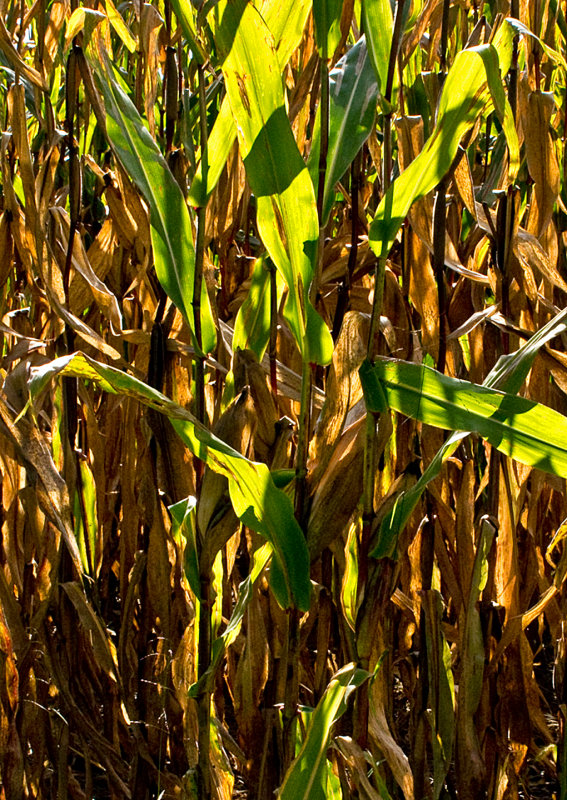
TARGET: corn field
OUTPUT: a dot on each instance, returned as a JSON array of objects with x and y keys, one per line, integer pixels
[{"x": 283, "y": 414}]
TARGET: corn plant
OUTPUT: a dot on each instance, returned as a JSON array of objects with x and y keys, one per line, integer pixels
[{"x": 282, "y": 403}]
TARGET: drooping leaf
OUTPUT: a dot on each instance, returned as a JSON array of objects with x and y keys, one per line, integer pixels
[
  {"x": 473, "y": 86},
  {"x": 514, "y": 425},
  {"x": 306, "y": 777},
  {"x": 253, "y": 494},
  {"x": 286, "y": 209},
  {"x": 172, "y": 239},
  {"x": 353, "y": 92},
  {"x": 508, "y": 374},
  {"x": 286, "y": 21},
  {"x": 183, "y": 529}
]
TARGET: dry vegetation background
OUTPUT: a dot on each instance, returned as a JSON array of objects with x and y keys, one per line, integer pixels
[{"x": 110, "y": 601}]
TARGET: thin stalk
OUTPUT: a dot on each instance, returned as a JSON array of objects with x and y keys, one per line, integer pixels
[
  {"x": 204, "y": 699},
  {"x": 273, "y": 344},
  {"x": 360, "y": 718},
  {"x": 444, "y": 36},
  {"x": 292, "y": 683},
  {"x": 291, "y": 699},
  {"x": 440, "y": 214},
  {"x": 303, "y": 441},
  {"x": 324, "y": 148},
  {"x": 205, "y": 630},
  {"x": 199, "y": 256},
  {"x": 323, "y": 151},
  {"x": 439, "y": 221},
  {"x": 344, "y": 289},
  {"x": 513, "y": 73},
  {"x": 396, "y": 40}
]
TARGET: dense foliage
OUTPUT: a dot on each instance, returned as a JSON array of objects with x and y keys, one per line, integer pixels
[{"x": 282, "y": 409}]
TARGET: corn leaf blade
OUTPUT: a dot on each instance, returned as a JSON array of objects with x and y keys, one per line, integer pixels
[
  {"x": 170, "y": 223},
  {"x": 286, "y": 209},
  {"x": 473, "y": 86},
  {"x": 286, "y": 21},
  {"x": 353, "y": 93},
  {"x": 254, "y": 496},
  {"x": 305, "y": 779},
  {"x": 514, "y": 425}
]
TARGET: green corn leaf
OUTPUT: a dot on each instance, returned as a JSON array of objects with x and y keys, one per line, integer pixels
[
  {"x": 286, "y": 21},
  {"x": 514, "y": 425},
  {"x": 473, "y": 86},
  {"x": 86, "y": 524},
  {"x": 170, "y": 223},
  {"x": 306, "y": 777},
  {"x": 286, "y": 208},
  {"x": 252, "y": 325},
  {"x": 253, "y": 494},
  {"x": 327, "y": 19},
  {"x": 378, "y": 25},
  {"x": 511, "y": 370},
  {"x": 349, "y": 588},
  {"x": 186, "y": 15},
  {"x": 183, "y": 531},
  {"x": 507, "y": 375},
  {"x": 353, "y": 93}
]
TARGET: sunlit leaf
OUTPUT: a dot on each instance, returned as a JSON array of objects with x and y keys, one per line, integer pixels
[
  {"x": 473, "y": 86},
  {"x": 508, "y": 375},
  {"x": 286, "y": 20},
  {"x": 253, "y": 494},
  {"x": 252, "y": 325},
  {"x": 514, "y": 425},
  {"x": 378, "y": 24},
  {"x": 286, "y": 210}
]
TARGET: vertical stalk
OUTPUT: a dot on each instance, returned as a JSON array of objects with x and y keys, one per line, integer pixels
[
  {"x": 439, "y": 220},
  {"x": 360, "y": 719},
  {"x": 344, "y": 289},
  {"x": 199, "y": 256},
  {"x": 323, "y": 150},
  {"x": 396, "y": 41},
  {"x": 205, "y": 632},
  {"x": 440, "y": 214},
  {"x": 273, "y": 343},
  {"x": 303, "y": 441},
  {"x": 291, "y": 699}
]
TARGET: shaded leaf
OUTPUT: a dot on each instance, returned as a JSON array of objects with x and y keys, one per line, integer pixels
[
  {"x": 353, "y": 92},
  {"x": 172, "y": 239}
]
